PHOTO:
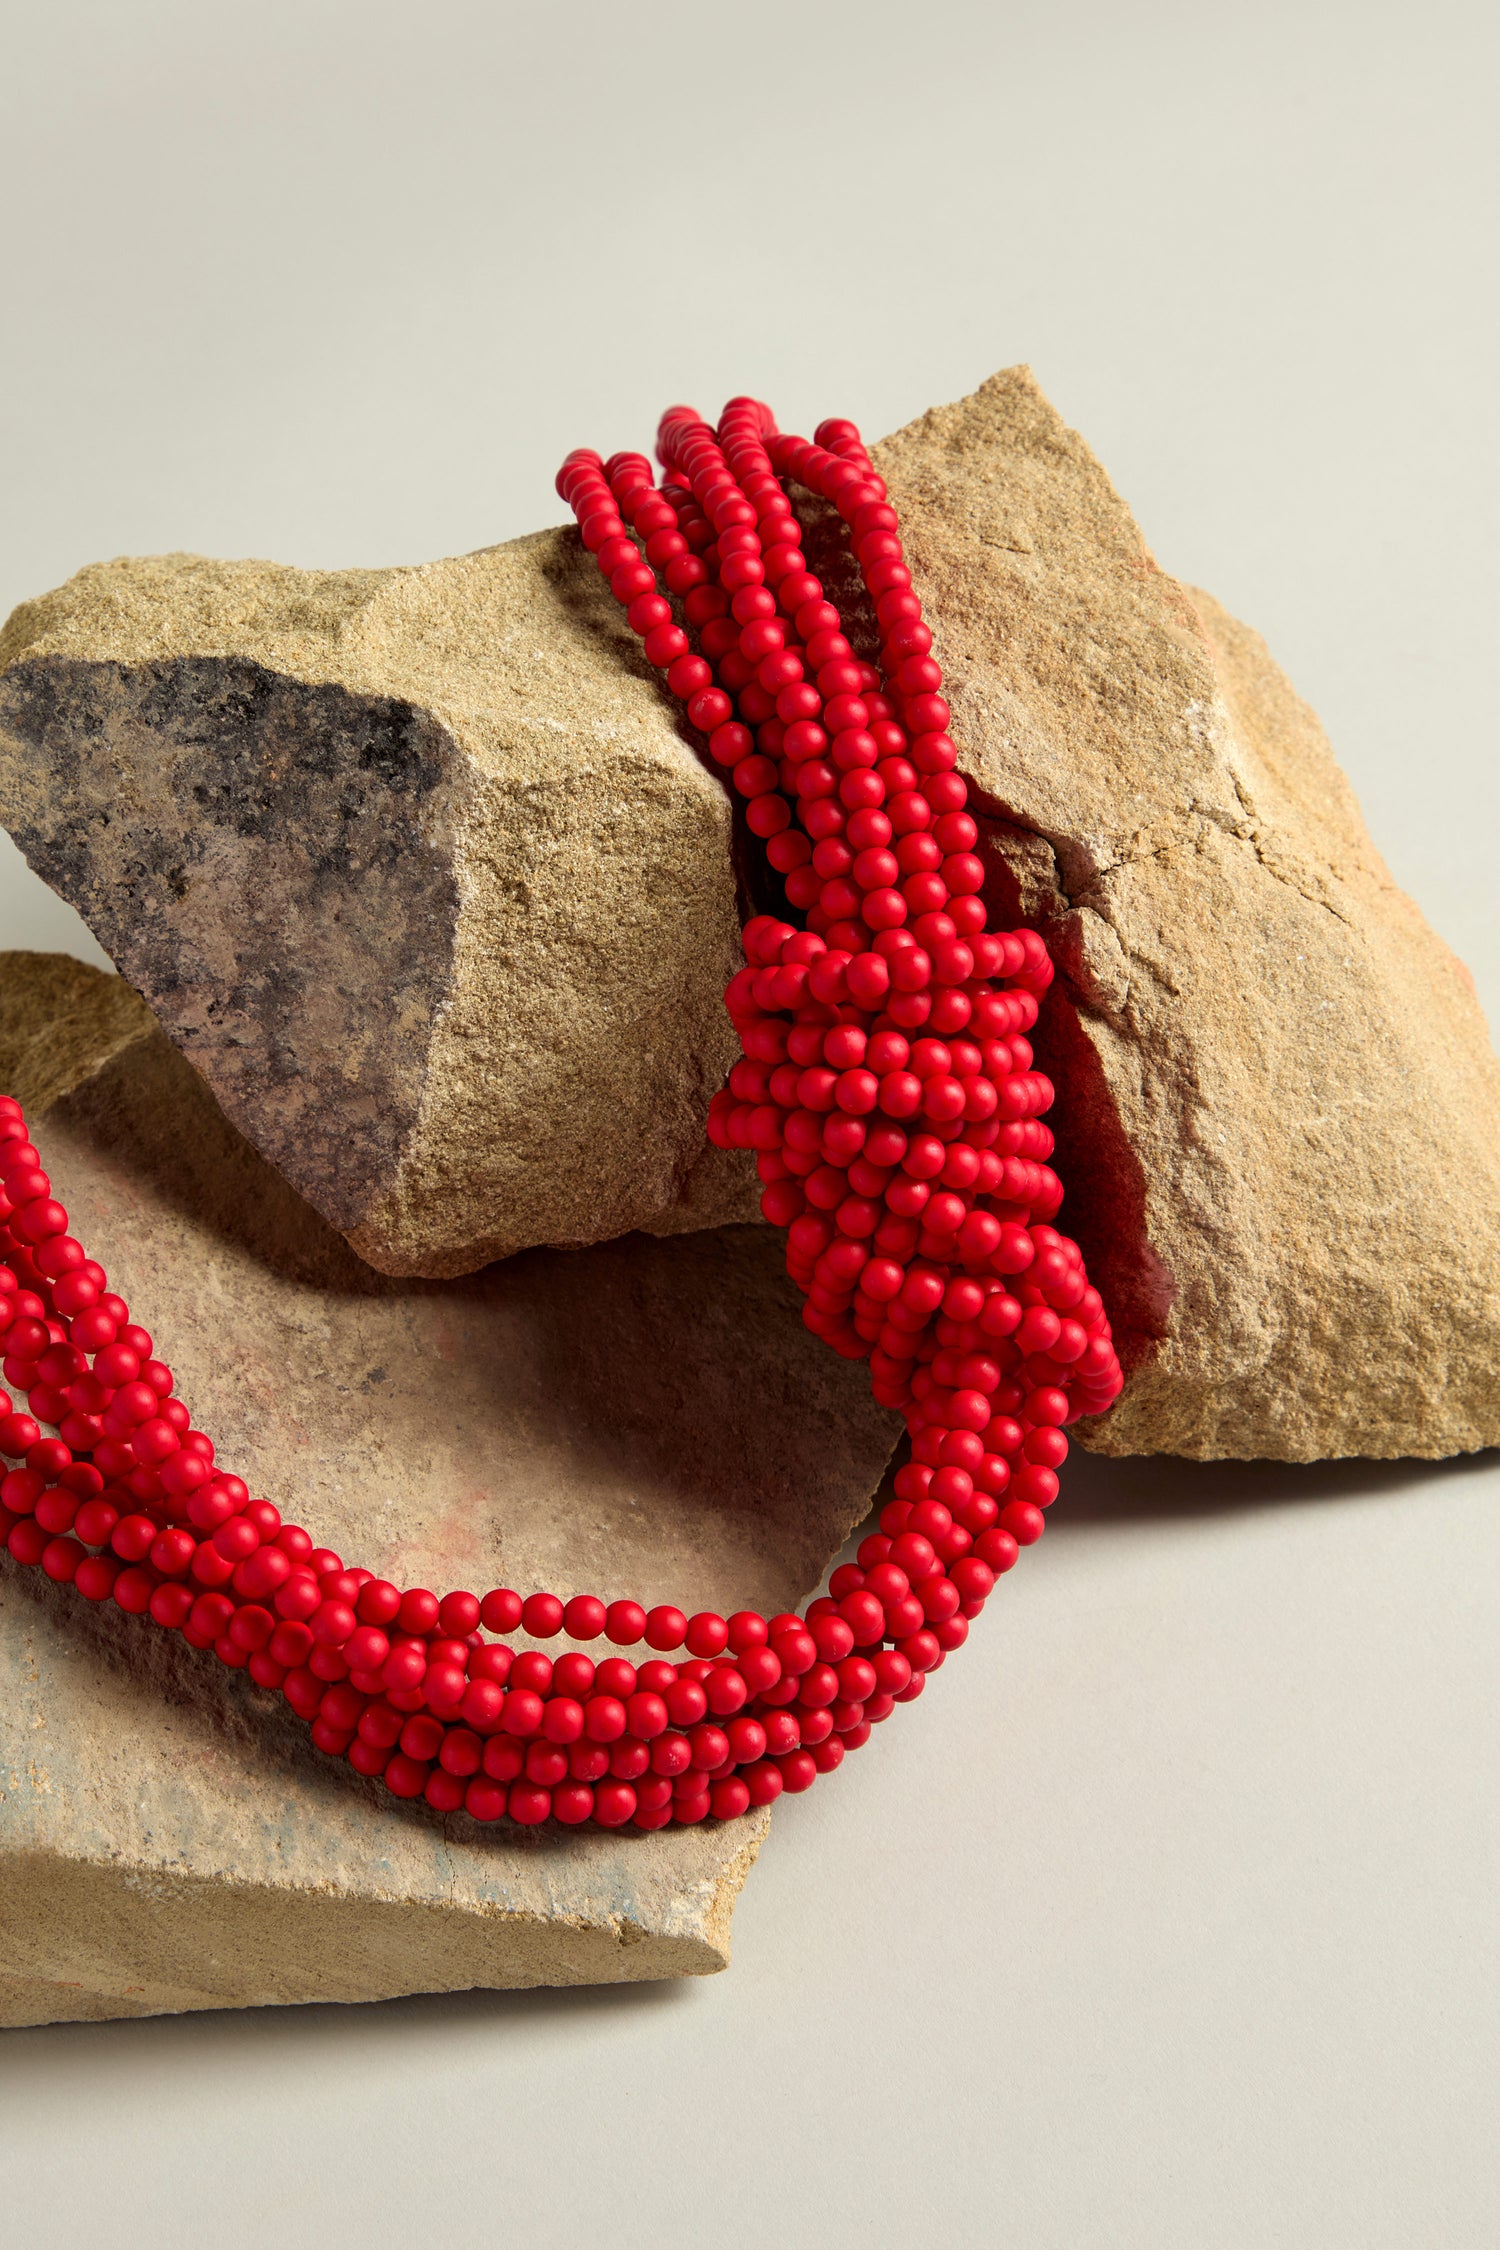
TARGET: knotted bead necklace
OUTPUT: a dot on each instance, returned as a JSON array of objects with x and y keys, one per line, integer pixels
[{"x": 887, "y": 1089}]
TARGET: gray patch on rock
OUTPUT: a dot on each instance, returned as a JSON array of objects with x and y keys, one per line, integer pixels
[{"x": 269, "y": 862}]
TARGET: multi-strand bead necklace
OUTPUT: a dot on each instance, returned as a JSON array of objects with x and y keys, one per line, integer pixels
[{"x": 887, "y": 1089}]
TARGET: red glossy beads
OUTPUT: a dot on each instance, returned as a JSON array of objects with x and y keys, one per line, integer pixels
[{"x": 887, "y": 1088}]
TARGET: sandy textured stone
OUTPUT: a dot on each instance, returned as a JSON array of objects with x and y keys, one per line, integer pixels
[
  {"x": 416, "y": 868},
  {"x": 169, "y": 1841},
  {"x": 645, "y": 1417},
  {"x": 1277, "y": 1098},
  {"x": 1278, "y": 1110}
]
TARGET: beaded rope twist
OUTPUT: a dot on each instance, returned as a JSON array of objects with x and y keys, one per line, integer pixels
[{"x": 887, "y": 1088}]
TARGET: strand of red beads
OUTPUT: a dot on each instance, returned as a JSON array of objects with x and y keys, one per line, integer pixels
[{"x": 888, "y": 1090}]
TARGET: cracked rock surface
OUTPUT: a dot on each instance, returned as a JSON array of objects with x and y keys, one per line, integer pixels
[
  {"x": 1278, "y": 1110},
  {"x": 416, "y": 869},
  {"x": 643, "y": 1417}
]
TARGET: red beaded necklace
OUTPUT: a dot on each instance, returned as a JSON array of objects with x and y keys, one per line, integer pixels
[{"x": 888, "y": 1092}]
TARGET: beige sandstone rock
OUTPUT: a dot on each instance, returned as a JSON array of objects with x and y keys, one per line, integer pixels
[
  {"x": 1278, "y": 1111},
  {"x": 414, "y": 866},
  {"x": 645, "y": 1417},
  {"x": 1277, "y": 1101}
]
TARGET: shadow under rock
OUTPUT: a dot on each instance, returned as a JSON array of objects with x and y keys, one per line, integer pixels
[
  {"x": 1146, "y": 1488},
  {"x": 315, "y": 2030}
]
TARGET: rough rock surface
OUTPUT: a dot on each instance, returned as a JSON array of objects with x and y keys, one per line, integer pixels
[
  {"x": 1277, "y": 1099},
  {"x": 416, "y": 869},
  {"x": 645, "y": 1417},
  {"x": 1278, "y": 1110}
]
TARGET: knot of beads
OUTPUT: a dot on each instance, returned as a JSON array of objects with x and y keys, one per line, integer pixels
[{"x": 887, "y": 1088}]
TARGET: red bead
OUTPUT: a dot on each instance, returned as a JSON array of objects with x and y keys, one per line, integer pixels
[
  {"x": 527, "y": 1803},
  {"x": 763, "y": 1782},
  {"x": 795, "y": 1649},
  {"x": 646, "y": 1716},
  {"x": 833, "y": 1637},
  {"x": 458, "y": 1614},
  {"x": 419, "y": 1611},
  {"x": 482, "y": 1704},
  {"x": 1023, "y": 1521},
  {"x": 523, "y": 1710},
  {"x": 95, "y": 1577},
  {"x": 798, "y": 1771},
  {"x": 729, "y": 1798},
  {"x": 49, "y": 1457},
  {"x": 584, "y": 1618},
  {"x": 604, "y": 1718},
  {"x": 614, "y": 1804},
  {"x": 504, "y": 1758},
  {"x": 624, "y": 1623},
  {"x": 331, "y": 1623},
  {"x": 726, "y": 1690},
  {"x": 573, "y": 1675},
  {"x": 546, "y": 1764},
  {"x": 686, "y": 1701},
  {"x": 61, "y": 1557},
  {"x": 665, "y": 1628},
  {"x": 563, "y": 1719},
  {"x": 542, "y": 1615},
  {"x": 404, "y": 1776},
  {"x": 1034, "y": 1485},
  {"x": 378, "y": 1602},
  {"x": 912, "y": 1554},
  {"x": 172, "y": 1551},
  {"x": 865, "y": 1617},
  {"x": 1047, "y": 1448},
  {"x": 760, "y": 1669},
  {"x": 483, "y": 1799},
  {"x": 491, "y": 1661}
]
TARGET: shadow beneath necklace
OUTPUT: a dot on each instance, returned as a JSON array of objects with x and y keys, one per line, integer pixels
[{"x": 645, "y": 1416}]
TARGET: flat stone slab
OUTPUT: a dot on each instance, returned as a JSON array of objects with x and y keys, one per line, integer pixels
[
  {"x": 645, "y": 1418},
  {"x": 169, "y": 1839}
]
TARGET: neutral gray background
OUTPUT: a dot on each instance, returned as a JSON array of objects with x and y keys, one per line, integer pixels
[{"x": 1169, "y": 1919}]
